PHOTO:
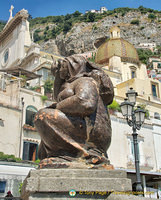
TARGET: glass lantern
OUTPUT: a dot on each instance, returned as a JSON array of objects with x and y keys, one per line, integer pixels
[
  {"x": 126, "y": 108},
  {"x": 131, "y": 95}
]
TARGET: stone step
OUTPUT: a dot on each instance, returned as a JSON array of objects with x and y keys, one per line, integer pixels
[{"x": 90, "y": 173}]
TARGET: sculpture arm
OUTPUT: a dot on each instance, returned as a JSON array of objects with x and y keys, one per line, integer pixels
[{"x": 84, "y": 102}]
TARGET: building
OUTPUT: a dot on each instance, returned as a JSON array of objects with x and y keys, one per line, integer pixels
[
  {"x": 24, "y": 65},
  {"x": 24, "y": 68},
  {"x": 12, "y": 175},
  {"x": 102, "y": 10},
  {"x": 151, "y": 46},
  {"x": 120, "y": 61}
]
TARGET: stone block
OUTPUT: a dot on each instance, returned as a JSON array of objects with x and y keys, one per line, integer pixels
[{"x": 88, "y": 183}]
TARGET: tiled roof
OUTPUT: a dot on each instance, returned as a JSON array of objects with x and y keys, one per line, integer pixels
[{"x": 116, "y": 47}]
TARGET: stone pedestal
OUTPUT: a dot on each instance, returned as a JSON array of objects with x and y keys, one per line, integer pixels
[{"x": 55, "y": 184}]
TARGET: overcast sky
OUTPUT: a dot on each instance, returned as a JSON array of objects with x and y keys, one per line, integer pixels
[{"x": 42, "y": 8}]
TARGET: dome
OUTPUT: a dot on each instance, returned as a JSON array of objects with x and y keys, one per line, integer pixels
[{"x": 116, "y": 46}]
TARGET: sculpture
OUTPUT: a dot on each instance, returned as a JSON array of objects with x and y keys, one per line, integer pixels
[{"x": 77, "y": 126}]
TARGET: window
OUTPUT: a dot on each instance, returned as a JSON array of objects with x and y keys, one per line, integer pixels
[
  {"x": 154, "y": 90},
  {"x": 30, "y": 151},
  {"x": 133, "y": 75},
  {"x": 132, "y": 149},
  {"x": 30, "y": 115},
  {"x": 131, "y": 156},
  {"x": 6, "y": 56},
  {"x": 1, "y": 122},
  {"x": 159, "y": 65},
  {"x": 2, "y": 186},
  {"x": 133, "y": 71},
  {"x": 46, "y": 74}
]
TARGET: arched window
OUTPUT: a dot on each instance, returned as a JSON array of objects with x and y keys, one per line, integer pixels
[
  {"x": 30, "y": 114},
  {"x": 133, "y": 71}
]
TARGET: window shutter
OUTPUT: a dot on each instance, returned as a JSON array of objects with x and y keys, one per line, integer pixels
[{"x": 26, "y": 150}]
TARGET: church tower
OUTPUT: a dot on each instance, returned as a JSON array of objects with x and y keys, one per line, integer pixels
[
  {"x": 13, "y": 39},
  {"x": 114, "y": 32}
]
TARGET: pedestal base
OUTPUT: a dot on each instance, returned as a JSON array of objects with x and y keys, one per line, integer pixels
[{"x": 52, "y": 184}]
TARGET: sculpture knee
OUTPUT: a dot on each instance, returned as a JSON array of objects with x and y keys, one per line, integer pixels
[{"x": 48, "y": 113}]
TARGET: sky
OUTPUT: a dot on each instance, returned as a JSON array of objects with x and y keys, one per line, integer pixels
[{"x": 43, "y": 8}]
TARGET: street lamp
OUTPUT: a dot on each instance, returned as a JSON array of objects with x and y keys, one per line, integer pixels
[{"x": 135, "y": 119}]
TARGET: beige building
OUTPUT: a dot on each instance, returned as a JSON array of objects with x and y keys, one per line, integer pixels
[
  {"x": 20, "y": 57},
  {"x": 120, "y": 61},
  {"x": 22, "y": 66}
]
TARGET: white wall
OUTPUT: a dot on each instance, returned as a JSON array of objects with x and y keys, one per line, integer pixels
[
  {"x": 15, "y": 42},
  {"x": 10, "y": 130},
  {"x": 120, "y": 150}
]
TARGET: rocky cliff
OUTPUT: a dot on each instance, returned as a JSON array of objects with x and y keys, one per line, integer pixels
[{"x": 136, "y": 27}]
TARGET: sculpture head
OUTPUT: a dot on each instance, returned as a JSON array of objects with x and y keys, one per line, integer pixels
[{"x": 74, "y": 67}]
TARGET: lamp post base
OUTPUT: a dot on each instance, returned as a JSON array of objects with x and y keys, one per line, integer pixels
[{"x": 139, "y": 187}]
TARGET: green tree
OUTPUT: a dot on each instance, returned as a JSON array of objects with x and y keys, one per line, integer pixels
[
  {"x": 48, "y": 86},
  {"x": 144, "y": 55},
  {"x": 67, "y": 16},
  {"x": 36, "y": 37},
  {"x": 91, "y": 17},
  {"x": 67, "y": 27},
  {"x": 76, "y": 14},
  {"x": 47, "y": 28},
  {"x": 152, "y": 16}
]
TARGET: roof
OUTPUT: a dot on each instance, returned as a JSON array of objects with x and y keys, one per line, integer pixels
[
  {"x": 23, "y": 14},
  {"x": 116, "y": 47},
  {"x": 17, "y": 71},
  {"x": 132, "y": 171}
]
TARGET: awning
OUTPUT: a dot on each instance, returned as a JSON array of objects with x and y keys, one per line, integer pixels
[
  {"x": 17, "y": 71},
  {"x": 132, "y": 171}
]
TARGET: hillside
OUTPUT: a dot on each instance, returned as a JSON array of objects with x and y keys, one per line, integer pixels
[{"x": 78, "y": 33}]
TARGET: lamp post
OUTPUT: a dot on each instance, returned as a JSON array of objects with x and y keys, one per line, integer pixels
[{"x": 135, "y": 119}]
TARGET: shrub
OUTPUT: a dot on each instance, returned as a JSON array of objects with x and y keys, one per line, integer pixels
[
  {"x": 44, "y": 98},
  {"x": 143, "y": 106},
  {"x": 144, "y": 55},
  {"x": 135, "y": 21},
  {"x": 142, "y": 27},
  {"x": 48, "y": 86},
  {"x": 114, "y": 106},
  {"x": 20, "y": 187},
  {"x": 94, "y": 27},
  {"x": 8, "y": 157},
  {"x": 37, "y": 161},
  {"x": 91, "y": 17}
]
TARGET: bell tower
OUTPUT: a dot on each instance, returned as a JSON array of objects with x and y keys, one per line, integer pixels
[{"x": 114, "y": 32}]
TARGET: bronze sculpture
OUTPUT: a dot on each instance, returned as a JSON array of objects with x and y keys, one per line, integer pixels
[{"x": 77, "y": 126}]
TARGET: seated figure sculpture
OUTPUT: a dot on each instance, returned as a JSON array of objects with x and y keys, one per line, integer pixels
[{"x": 77, "y": 125}]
